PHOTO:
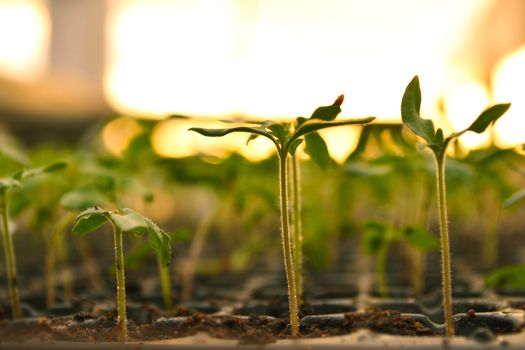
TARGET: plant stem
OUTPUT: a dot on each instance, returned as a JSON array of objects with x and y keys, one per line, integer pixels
[
  {"x": 381, "y": 271},
  {"x": 10, "y": 258},
  {"x": 165, "y": 283},
  {"x": 121, "y": 286},
  {"x": 445, "y": 249},
  {"x": 196, "y": 247},
  {"x": 50, "y": 275},
  {"x": 286, "y": 242},
  {"x": 297, "y": 228}
]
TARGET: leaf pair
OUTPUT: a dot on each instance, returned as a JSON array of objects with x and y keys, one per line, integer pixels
[
  {"x": 424, "y": 128},
  {"x": 378, "y": 236},
  {"x": 287, "y": 138},
  {"x": 126, "y": 220},
  {"x": 15, "y": 180}
]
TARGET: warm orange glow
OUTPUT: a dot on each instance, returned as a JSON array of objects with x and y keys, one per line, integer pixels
[
  {"x": 24, "y": 36},
  {"x": 217, "y": 59},
  {"x": 509, "y": 86},
  {"x": 118, "y": 133},
  {"x": 273, "y": 58}
]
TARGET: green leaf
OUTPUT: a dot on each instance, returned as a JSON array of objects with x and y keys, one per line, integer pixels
[
  {"x": 317, "y": 150},
  {"x": 410, "y": 106},
  {"x": 293, "y": 146},
  {"x": 82, "y": 198},
  {"x": 328, "y": 112},
  {"x": 315, "y": 124},
  {"x": 226, "y": 131},
  {"x": 90, "y": 219},
  {"x": 420, "y": 238},
  {"x": 160, "y": 242},
  {"x": 514, "y": 198},
  {"x": 507, "y": 277},
  {"x": 129, "y": 221},
  {"x": 24, "y": 174},
  {"x": 488, "y": 116},
  {"x": 375, "y": 237},
  {"x": 278, "y": 130},
  {"x": 7, "y": 183}
]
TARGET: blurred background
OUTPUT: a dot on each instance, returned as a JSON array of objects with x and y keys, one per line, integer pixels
[{"x": 67, "y": 63}]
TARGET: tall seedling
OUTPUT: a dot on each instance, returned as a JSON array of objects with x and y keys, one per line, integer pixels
[
  {"x": 6, "y": 185},
  {"x": 286, "y": 137},
  {"x": 437, "y": 143},
  {"x": 124, "y": 220}
]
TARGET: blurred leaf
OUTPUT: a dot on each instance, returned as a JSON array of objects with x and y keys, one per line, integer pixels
[
  {"x": 7, "y": 183},
  {"x": 82, "y": 198},
  {"x": 374, "y": 237},
  {"x": 420, "y": 238},
  {"x": 513, "y": 199},
  {"x": 24, "y": 174},
  {"x": 410, "y": 106},
  {"x": 507, "y": 277},
  {"x": 317, "y": 150}
]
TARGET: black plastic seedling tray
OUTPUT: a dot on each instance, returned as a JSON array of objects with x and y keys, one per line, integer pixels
[{"x": 339, "y": 312}]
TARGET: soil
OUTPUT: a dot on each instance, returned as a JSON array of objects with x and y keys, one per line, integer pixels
[{"x": 252, "y": 329}]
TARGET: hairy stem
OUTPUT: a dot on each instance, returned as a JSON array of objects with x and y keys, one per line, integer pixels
[
  {"x": 165, "y": 283},
  {"x": 121, "y": 286},
  {"x": 297, "y": 227},
  {"x": 445, "y": 249},
  {"x": 286, "y": 243},
  {"x": 10, "y": 258}
]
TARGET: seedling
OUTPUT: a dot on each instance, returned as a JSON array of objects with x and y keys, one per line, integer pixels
[
  {"x": 6, "y": 185},
  {"x": 124, "y": 220},
  {"x": 378, "y": 238},
  {"x": 437, "y": 143},
  {"x": 286, "y": 137}
]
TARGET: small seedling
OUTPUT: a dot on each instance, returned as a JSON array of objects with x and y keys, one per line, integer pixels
[
  {"x": 437, "y": 143},
  {"x": 378, "y": 238},
  {"x": 124, "y": 220},
  {"x": 6, "y": 185},
  {"x": 286, "y": 137}
]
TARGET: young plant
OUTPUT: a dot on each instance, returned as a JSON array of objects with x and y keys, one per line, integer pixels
[
  {"x": 438, "y": 143},
  {"x": 286, "y": 137},
  {"x": 6, "y": 185},
  {"x": 378, "y": 238},
  {"x": 124, "y": 220}
]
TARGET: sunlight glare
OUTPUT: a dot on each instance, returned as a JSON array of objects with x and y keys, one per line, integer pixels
[
  {"x": 509, "y": 86},
  {"x": 24, "y": 38},
  {"x": 464, "y": 102}
]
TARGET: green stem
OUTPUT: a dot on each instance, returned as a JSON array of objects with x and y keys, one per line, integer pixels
[
  {"x": 297, "y": 228},
  {"x": 121, "y": 286},
  {"x": 50, "y": 275},
  {"x": 381, "y": 271},
  {"x": 196, "y": 247},
  {"x": 445, "y": 249},
  {"x": 165, "y": 283},
  {"x": 490, "y": 243},
  {"x": 10, "y": 258},
  {"x": 286, "y": 242}
]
